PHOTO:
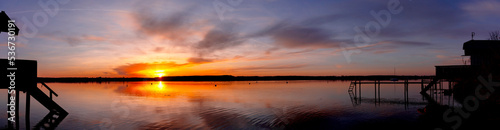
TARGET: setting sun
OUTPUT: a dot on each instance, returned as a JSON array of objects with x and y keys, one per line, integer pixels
[
  {"x": 160, "y": 73},
  {"x": 250, "y": 64}
]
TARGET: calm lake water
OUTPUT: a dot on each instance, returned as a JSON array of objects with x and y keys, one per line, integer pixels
[{"x": 226, "y": 105}]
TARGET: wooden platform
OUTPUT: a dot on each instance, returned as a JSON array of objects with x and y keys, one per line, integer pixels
[
  {"x": 25, "y": 74},
  {"x": 24, "y": 79},
  {"x": 375, "y": 82}
]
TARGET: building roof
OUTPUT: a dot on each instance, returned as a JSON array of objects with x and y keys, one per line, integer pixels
[
  {"x": 481, "y": 46},
  {"x": 4, "y": 21}
]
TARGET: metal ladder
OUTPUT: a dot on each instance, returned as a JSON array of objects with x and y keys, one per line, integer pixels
[{"x": 351, "y": 87}]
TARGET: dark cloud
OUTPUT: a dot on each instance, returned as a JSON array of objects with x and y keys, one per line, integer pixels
[
  {"x": 76, "y": 40},
  {"x": 290, "y": 35},
  {"x": 300, "y": 37},
  {"x": 198, "y": 60},
  {"x": 308, "y": 33},
  {"x": 219, "y": 38},
  {"x": 418, "y": 18},
  {"x": 174, "y": 26},
  {"x": 179, "y": 25}
]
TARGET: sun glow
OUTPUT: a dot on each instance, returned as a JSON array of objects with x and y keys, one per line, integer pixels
[
  {"x": 160, "y": 85},
  {"x": 160, "y": 73}
]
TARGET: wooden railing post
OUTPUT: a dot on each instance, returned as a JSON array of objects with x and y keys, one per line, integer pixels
[{"x": 50, "y": 90}]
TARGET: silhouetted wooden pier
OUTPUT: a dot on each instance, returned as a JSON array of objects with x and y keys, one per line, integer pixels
[
  {"x": 356, "y": 86},
  {"x": 25, "y": 80},
  {"x": 484, "y": 60}
]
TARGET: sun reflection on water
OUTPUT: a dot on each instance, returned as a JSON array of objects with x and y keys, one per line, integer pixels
[
  {"x": 148, "y": 89},
  {"x": 160, "y": 85}
]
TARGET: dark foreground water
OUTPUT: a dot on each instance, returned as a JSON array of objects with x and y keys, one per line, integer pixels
[{"x": 227, "y": 105}]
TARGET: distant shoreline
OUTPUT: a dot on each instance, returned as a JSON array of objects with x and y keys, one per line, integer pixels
[{"x": 228, "y": 78}]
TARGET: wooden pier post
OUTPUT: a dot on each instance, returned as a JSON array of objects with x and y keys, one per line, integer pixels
[
  {"x": 359, "y": 92},
  {"x": 422, "y": 85},
  {"x": 355, "y": 89},
  {"x": 379, "y": 92},
  {"x": 449, "y": 85},
  {"x": 17, "y": 109},
  {"x": 406, "y": 93},
  {"x": 27, "y": 115},
  {"x": 375, "y": 87}
]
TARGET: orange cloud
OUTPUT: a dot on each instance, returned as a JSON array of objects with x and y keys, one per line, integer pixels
[
  {"x": 148, "y": 69},
  {"x": 158, "y": 69}
]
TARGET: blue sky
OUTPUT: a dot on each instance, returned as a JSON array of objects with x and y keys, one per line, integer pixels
[{"x": 246, "y": 37}]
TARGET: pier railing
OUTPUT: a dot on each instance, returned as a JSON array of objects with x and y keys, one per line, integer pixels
[{"x": 50, "y": 90}]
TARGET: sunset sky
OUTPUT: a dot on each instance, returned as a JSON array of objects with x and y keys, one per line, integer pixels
[{"x": 246, "y": 37}]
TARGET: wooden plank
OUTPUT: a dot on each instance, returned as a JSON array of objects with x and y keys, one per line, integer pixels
[{"x": 390, "y": 82}]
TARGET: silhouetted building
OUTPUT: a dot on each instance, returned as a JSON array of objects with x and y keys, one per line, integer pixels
[
  {"x": 467, "y": 84},
  {"x": 483, "y": 53},
  {"x": 484, "y": 60}
]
